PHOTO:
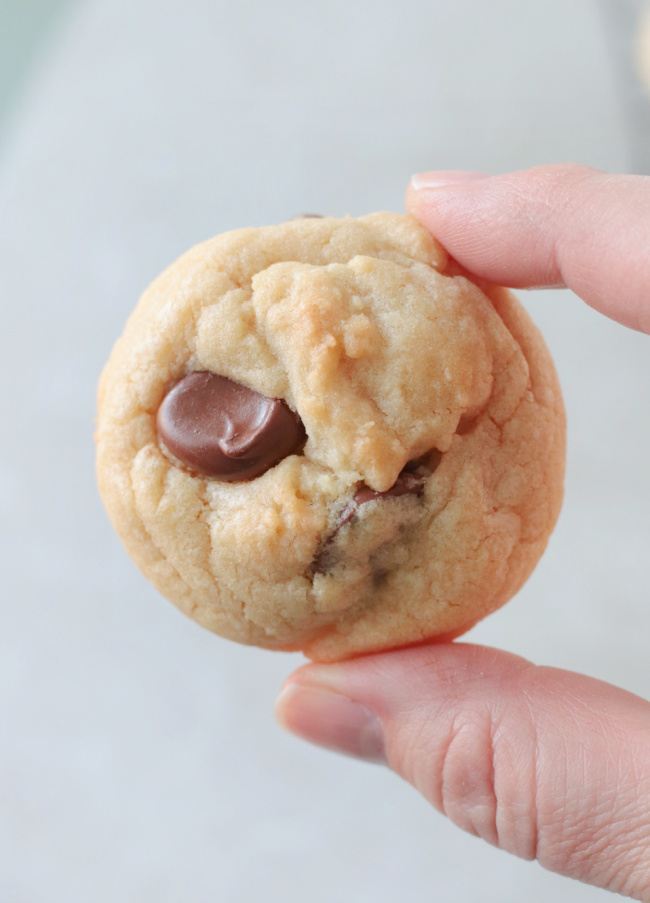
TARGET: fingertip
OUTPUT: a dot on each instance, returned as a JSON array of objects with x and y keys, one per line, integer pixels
[
  {"x": 547, "y": 226},
  {"x": 425, "y": 188},
  {"x": 330, "y": 720}
]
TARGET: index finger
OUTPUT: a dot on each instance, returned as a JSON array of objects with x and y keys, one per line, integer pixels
[{"x": 563, "y": 225}]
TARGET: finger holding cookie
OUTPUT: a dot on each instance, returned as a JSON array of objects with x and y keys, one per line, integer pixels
[{"x": 541, "y": 762}]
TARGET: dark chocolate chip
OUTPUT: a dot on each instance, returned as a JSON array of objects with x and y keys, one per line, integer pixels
[
  {"x": 326, "y": 558},
  {"x": 407, "y": 483},
  {"x": 222, "y": 429}
]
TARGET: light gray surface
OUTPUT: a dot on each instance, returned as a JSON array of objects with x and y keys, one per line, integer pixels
[
  {"x": 622, "y": 23},
  {"x": 139, "y": 760}
]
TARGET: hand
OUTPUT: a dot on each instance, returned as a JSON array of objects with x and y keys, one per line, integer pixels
[{"x": 544, "y": 763}]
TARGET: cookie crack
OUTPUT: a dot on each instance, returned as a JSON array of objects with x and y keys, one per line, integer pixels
[
  {"x": 200, "y": 516},
  {"x": 161, "y": 557}
]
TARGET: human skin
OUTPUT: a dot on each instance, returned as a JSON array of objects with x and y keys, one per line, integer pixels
[{"x": 544, "y": 763}]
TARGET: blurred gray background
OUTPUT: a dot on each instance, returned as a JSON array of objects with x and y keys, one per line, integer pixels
[{"x": 139, "y": 760}]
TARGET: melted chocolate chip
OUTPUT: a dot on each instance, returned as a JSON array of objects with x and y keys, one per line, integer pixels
[
  {"x": 225, "y": 430},
  {"x": 407, "y": 483}
]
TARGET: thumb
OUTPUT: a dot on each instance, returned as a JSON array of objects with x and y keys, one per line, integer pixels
[
  {"x": 549, "y": 226},
  {"x": 544, "y": 763}
]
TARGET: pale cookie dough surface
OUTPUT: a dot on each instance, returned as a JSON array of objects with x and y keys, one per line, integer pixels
[{"x": 390, "y": 361}]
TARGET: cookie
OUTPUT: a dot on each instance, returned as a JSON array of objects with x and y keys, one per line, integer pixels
[{"x": 323, "y": 436}]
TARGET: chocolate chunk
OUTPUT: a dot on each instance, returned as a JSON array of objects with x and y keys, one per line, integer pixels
[
  {"x": 225, "y": 430},
  {"x": 407, "y": 483},
  {"x": 307, "y": 216}
]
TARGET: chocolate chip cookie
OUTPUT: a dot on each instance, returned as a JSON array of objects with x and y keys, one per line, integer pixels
[{"x": 323, "y": 436}]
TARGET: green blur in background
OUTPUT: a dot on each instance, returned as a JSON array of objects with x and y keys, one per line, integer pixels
[{"x": 25, "y": 29}]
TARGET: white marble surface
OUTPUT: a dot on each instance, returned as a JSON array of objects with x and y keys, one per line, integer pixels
[{"x": 138, "y": 756}]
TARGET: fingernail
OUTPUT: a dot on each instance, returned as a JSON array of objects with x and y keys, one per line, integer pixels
[
  {"x": 331, "y": 720},
  {"x": 441, "y": 179}
]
